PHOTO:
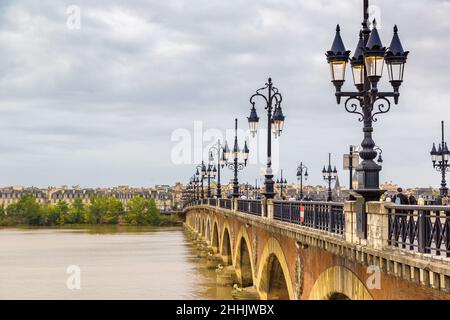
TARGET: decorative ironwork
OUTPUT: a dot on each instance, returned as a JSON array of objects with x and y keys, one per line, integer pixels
[
  {"x": 327, "y": 216},
  {"x": 425, "y": 229},
  {"x": 383, "y": 105},
  {"x": 249, "y": 206},
  {"x": 353, "y": 107},
  {"x": 225, "y": 203}
]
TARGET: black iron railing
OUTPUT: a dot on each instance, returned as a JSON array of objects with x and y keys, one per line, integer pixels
[
  {"x": 327, "y": 216},
  {"x": 255, "y": 207},
  {"x": 249, "y": 206},
  {"x": 226, "y": 203},
  {"x": 425, "y": 229},
  {"x": 243, "y": 206}
]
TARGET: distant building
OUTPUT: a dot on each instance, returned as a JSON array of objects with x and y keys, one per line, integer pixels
[{"x": 166, "y": 197}]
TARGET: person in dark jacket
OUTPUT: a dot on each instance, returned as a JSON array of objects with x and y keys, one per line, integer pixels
[
  {"x": 412, "y": 200},
  {"x": 400, "y": 197}
]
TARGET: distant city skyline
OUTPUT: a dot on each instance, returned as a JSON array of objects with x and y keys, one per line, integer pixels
[{"x": 97, "y": 106}]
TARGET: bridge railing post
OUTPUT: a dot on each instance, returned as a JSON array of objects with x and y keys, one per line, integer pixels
[
  {"x": 350, "y": 220},
  {"x": 262, "y": 203},
  {"x": 234, "y": 204},
  {"x": 377, "y": 224},
  {"x": 269, "y": 208},
  {"x": 315, "y": 216},
  {"x": 423, "y": 234}
]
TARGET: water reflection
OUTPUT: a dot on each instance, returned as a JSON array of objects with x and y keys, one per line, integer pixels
[{"x": 116, "y": 263}]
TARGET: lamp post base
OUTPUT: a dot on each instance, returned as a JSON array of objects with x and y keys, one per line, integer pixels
[
  {"x": 268, "y": 195},
  {"x": 269, "y": 192},
  {"x": 370, "y": 194},
  {"x": 443, "y": 192}
]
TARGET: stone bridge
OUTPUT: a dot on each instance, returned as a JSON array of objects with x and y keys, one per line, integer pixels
[{"x": 309, "y": 250}]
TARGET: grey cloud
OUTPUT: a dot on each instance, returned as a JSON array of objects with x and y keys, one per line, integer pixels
[{"x": 97, "y": 106}]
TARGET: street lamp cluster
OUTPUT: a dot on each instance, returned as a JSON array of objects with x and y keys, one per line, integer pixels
[
  {"x": 302, "y": 172},
  {"x": 271, "y": 98},
  {"x": 282, "y": 183},
  {"x": 440, "y": 158},
  {"x": 367, "y": 66},
  {"x": 210, "y": 173},
  {"x": 236, "y": 160},
  {"x": 329, "y": 175},
  {"x": 220, "y": 156}
]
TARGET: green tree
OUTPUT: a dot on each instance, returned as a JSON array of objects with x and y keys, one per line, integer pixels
[
  {"x": 105, "y": 209},
  {"x": 27, "y": 211},
  {"x": 61, "y": 212},
  {"x": 5, "y": 219},
  {"x": 153, "y": 212},
  {"x": 137, "y": 212},
  {"x": 77, "y": 212}
]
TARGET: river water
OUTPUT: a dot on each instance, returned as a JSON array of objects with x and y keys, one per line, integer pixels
[{"x": 112, "y": 263}]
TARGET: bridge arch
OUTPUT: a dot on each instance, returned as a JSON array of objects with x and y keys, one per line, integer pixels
[
  {"x": 226, "y": 244},
  {"x": 203, "y": 227},
  {"x": 339, "y": 283},
  {"x": 215, "y": 237},
  {"x": 243, "y": 259},
  {"x": 274, "y": 280},
  {"x": 208, "y": 229}
]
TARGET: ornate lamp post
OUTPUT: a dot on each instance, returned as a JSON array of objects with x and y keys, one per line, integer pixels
[
  {"x": 187, "y": 194},
  {"x": 440, "y": 159},
  {"x": 236, "y": 165},
  {"x": 282, "y": 182},
  {"x": 210, "y": 173},
  {"x": 367, "y": 68},
  {"x": 256, "y": 193},
  {"x": 192, "y": 188},
  {"x": 302, "y": 172},
  {"x": 201, "y": 175},
  {"x": 329, "y": 175},
  {"x": 220, "y": 153},
  {"x": 196, "y": 185},
  {"x": 275, "y": 123}
]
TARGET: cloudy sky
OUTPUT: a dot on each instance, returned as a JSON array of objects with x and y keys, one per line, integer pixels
[{"x": 104, "y": 104}]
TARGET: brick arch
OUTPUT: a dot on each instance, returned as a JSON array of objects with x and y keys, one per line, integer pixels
[
  {"x": 208, "y": 229},
  {"x": 203, "y": 222},
  {"x": 226, "y": 243},
  {"x": 215, "y": 239},
  {"x": 272, "y": 251},
  {"x": 339, "y": 281},
  {"x": 199, "y": 225},
  {"x": 243, "y": 275}
]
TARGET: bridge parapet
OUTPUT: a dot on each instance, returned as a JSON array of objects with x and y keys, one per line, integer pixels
[{"x": 410, "y": 243}]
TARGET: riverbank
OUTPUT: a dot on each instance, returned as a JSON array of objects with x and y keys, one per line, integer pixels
[{"x": 96, "y": 228}]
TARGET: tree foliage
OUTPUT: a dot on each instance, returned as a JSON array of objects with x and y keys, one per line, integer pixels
[{"x": 100, "y": 210}]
